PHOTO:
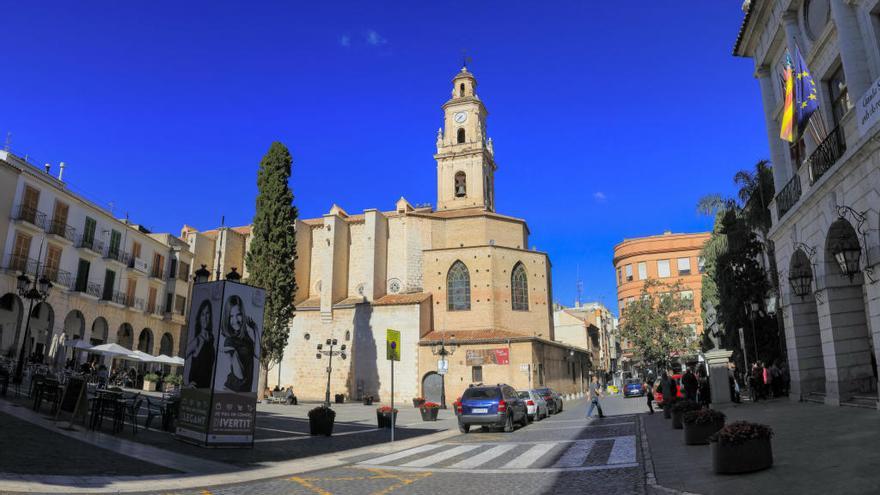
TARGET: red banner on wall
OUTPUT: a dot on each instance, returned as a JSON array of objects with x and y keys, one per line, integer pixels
[{"x": 479, "y": 357}]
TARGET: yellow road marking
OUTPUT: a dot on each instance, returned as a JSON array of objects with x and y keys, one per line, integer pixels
[
  {"x": 377, "y": 474},
  {"x": 310, "y": 486}
]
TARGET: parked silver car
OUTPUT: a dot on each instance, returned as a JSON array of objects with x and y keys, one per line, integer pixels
[{"x": 535, "y": 404}]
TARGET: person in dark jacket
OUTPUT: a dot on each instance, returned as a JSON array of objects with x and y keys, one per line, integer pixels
[
  {"x": 667, "y": 384},
  {"x": 691, "y": 384}
]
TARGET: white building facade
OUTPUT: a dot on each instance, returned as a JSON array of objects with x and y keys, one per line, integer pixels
[
  {"x": 112, "y": 281},
  {"x": 825, "y": 212}
]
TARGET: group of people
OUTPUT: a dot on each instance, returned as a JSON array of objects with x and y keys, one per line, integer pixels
[
  {"x": 694, "y": 387},
  {"x": 768, "y": 381}
]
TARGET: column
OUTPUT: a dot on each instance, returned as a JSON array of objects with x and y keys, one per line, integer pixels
[
  {"x": 852, "y": 50},
  {"x": 782, "y": 172}
]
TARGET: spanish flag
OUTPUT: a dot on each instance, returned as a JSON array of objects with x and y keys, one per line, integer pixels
[{"x": 786, "y": 132}]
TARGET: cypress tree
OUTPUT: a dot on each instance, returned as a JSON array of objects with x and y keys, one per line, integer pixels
[{"x": 270, "y": 259}]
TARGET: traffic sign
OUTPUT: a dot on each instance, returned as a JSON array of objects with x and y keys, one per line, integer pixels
[
  {"x": 524, "y": 367},
  {"x": 392, "y": 345},
  {"x": 442, "y": 366}
]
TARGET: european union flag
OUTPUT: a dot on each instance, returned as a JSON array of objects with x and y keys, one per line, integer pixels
[{"x": 806, "y": 99}]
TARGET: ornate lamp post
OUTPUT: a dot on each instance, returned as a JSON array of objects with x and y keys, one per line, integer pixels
[
  {"x": 233, "y": 275},
  {"x": 201, "y": 275},
  {"x": 443, "y": 351},
  {"x": 36, "y": 290},
  {"x": 330, "y": 352},
  {"x": 752, "y": 309}
]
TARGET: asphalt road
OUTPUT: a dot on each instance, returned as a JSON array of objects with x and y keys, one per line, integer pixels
[{"x": 565, "y": 453}]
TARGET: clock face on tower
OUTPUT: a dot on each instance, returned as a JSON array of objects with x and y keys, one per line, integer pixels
[{"x": 460, "y": 117}]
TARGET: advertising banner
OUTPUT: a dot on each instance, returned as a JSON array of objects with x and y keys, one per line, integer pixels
[
  {"x": 479, "y": 357},
  {"x": 222, "y": 364}
]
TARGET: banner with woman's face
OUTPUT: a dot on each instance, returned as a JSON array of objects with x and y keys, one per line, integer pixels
[{"x": 199, "y": 360}]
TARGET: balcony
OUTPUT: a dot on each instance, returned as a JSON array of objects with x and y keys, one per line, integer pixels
[
  {"x": 117, "y": 256},
  {"x": 826, "y": 154},
  {"x": 788, "y": 196},
  {"x": 29, "y": 215},
  {"x": 90, "y": 289},
  {"x": 19, "y": 264},
  {"x": 157, "y": 272},
  {"x": 59, "y": 278},
  {"x": 90, "y": 244},
  {"x": 137, "y": 303},
  {"x": 61, "y": 231}
]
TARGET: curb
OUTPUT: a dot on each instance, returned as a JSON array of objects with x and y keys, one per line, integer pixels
[
  {"x": 651, "y": 485},
  {"x": 11, "y": 483}
]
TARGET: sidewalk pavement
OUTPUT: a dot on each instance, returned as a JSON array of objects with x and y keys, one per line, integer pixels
[
  {"x": 816, "y": 449},
  {"x": 39, "y": 454}
]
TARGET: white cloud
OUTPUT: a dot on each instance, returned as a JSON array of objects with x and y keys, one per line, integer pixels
[
  {"x": 373, "y": 38},
  {"x": 599, "y": 196},
  {"x": 345, "y": 41}
]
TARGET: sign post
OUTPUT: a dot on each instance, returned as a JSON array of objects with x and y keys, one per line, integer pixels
[{"x": 392, "y": 349}]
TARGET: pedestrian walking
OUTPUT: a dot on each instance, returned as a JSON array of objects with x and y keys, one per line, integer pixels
[
  {"x": 649, "y": 393},
  {"x": 690, "y": 384},
  {"x": 595, "y": 393}
]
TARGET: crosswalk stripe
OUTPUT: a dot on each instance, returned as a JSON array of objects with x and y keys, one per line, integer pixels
[
  {"x": 576, "y": 455},
  {"x": 401, "y": 455},
  {"x": 529, "y": 457},
  {"x": 484, "y": 457},
  {"x": 623, "y": 451},
  {"x": 441, "y": 456}
]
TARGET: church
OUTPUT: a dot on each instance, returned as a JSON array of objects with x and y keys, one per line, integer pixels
[{"x": 456, "y": 280}]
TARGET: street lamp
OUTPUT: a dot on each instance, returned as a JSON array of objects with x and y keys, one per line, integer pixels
[
  {"x": 847, "y": 254},
  {"x": 233, "y": 275},
  {"x": 202, "y": 275},
  {"x": 752, "y": 310},
  {"x": 36, "y": 290},
  {"x": 330, "y": 352},
  {"x": 443, "y": 351}
]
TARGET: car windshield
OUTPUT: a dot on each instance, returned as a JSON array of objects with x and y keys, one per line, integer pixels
[
  {"x": 544, "y": 391},
  {"x": 482, "y": 393},
  {"x": 524, "y": 395},
  {"x": 633, "y": 382}
]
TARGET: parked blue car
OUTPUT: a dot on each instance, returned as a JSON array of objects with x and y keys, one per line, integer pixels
[
  {"x": 633, "y": 388},
  {"x": 496, "y": 406}
]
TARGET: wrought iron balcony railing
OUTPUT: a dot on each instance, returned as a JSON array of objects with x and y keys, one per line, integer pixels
[
  {"x": 92, "y": 244},
  {"x": 61, "y": 229},
  {"x": 93, "y": 289},
  {"x": 57, "y": 277},
  {"x": 118, "y": 297},
  {"x": 826, "y": 154},
  {"x": 788, "y": 196},
  {"x": 24, "y": 264},
  {"x": 31, "y": 215},
  {"x": 138, "y": 304}
]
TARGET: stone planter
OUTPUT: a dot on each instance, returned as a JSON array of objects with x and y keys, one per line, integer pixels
[
  {"x": 321, "y": 425},
  {"x": 418, "y": 402},
  {"x": 149, "y": 386},
  {"x": 368, "y": 401},
  {"x": 339, "y": 398},
  {"x": 699, "y": 433},
  {"x": 384, "y": 419},
  {"x": 429, "y": 413},
  {"x": 753, "y": 455}
]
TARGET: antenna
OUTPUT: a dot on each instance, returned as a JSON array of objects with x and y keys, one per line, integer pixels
[
  {"x": 220, "y": 245},
  {"x": 579, "y": 285},
  {"x": 8, "y": 143}
]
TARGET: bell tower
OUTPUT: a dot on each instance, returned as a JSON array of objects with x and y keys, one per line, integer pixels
[{"x": 465, "y": 156}]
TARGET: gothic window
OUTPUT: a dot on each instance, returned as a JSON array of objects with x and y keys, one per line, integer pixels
[
  {"x": 460, "y": 136},
  {"x": 460, "y": 185},
  {"x": 458, "y": 288},
  {"x": 461, "y": 89},
  {"x": 519, "y": 288}
]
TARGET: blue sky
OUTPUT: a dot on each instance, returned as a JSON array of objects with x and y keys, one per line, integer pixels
[{"x": 608, "y": 122}]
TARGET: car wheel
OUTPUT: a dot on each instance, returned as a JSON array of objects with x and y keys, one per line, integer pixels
[
  {"x": 508, "y": 425},
  {"x": 464, "y": 428},
  {"x": 526, "y": 419}
]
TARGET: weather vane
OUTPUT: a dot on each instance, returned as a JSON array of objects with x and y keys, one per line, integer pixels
[{"x": 465, "y": 59}]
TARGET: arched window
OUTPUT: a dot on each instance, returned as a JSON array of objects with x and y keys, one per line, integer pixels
[
  {"x": 461, "y": 89},
  {"x": 460, "y": 136},
  {"x": 519, "y": 288},
  {"x": 458, "y": 288},
  {"x": 460, "y": 185}
]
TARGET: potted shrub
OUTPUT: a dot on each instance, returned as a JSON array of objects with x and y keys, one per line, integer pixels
[
  {"x": 386, "y": 416},
  {"x": 368, "y": 400},
  {"x": 150, "y": 380},
  {"x": 742, "y": 447},
  {"x": 681, "y": 407},
  {"x": 321, "y": 421},
  {"x": 429, "y": 411},
  {"x": 172, "y": 382},
  {"x": 418, "y": 401},
  {"x": 699, "y": 425},
  {"x": 340, "y": 398}
]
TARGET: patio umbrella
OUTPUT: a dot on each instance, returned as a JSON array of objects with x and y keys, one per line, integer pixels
[
  {"x": 141, "y": 356},
  {"x": 78, "y": 344},
  {"x": 114, "y": 350}
]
